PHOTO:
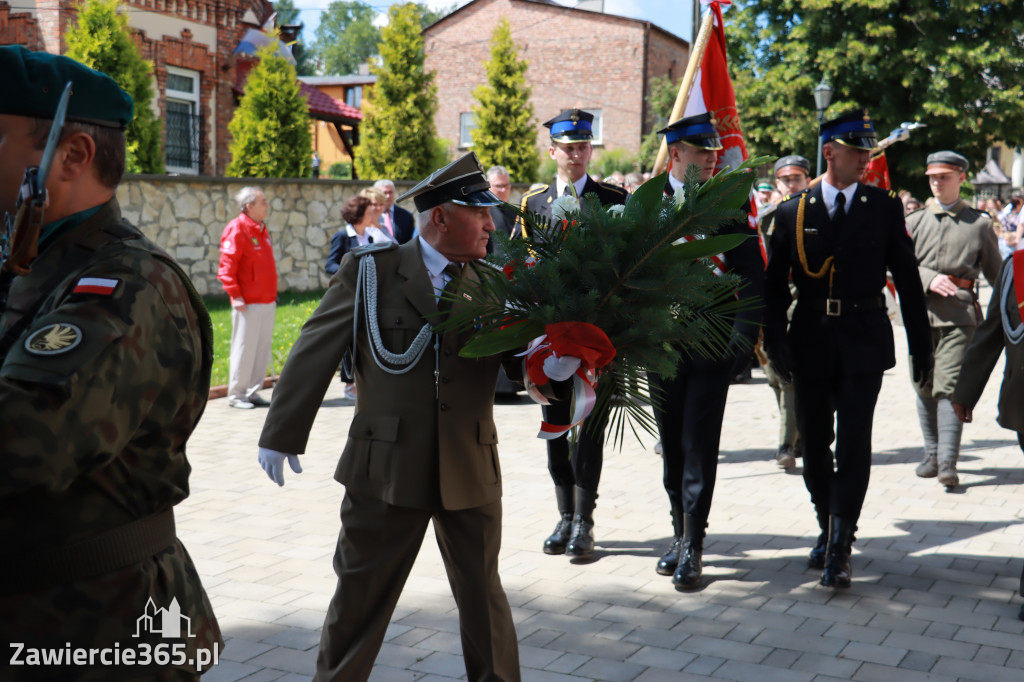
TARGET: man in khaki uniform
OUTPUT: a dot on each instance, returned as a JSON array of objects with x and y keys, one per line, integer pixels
[
  {"x": 953, "y": 243},
  {"x": 422, "y": 446}
]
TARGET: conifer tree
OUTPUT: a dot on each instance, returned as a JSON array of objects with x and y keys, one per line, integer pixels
[
  {"x": 505, "y": 129},
  {"x": 398, "y": 126},
  {"x": 103, "y": 41},
  {"x": 270, "y": 128}
]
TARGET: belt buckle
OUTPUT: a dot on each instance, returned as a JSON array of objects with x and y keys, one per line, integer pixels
[{"x": 833, "y": 307}]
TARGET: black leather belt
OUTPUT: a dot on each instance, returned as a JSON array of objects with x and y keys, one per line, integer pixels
[{"x": 834, "y": 307}]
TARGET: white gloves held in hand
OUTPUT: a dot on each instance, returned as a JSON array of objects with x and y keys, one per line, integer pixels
[
  {"x": 560, "y": 368},
  {"x": 272, "y": 462}
]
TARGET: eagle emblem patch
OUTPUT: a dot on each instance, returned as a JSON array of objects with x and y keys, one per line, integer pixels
[{"x": 54, "y": 339}]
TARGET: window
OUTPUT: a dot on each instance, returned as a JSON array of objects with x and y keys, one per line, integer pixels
[
  {"x": 466, "y": 124},
  {"x": 597, "y": 125},
  {"x": 182, "y": 122},
  {"x": 354, "y": 96}
]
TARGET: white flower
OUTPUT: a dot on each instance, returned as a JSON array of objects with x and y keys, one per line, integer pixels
[
  {"x": 616, "y": 210},
  {"x": 563, "y": 206}
]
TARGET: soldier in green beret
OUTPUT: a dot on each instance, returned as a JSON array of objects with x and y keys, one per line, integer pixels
[{"x": 105, "y": 352}]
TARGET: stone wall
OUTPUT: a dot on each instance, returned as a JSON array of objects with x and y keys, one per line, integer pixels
[{"x": 186, "y": 215}]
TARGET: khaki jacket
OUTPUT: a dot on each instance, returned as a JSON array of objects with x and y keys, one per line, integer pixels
[
  {"x": 960, "y": 243},
  {"x": 412, "y": 442}
]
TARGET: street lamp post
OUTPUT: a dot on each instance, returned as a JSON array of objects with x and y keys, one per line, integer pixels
[{"x": 822, "y": 98}]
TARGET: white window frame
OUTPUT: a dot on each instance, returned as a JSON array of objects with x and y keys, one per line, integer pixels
[
  {"x": 190, "y": 98},
  {"x": 467, "y": 122}
]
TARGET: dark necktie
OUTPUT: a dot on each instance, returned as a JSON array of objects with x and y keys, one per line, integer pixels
[
  {"x": 566, "y": 192},
  {"x": 454, "y": 272},
  {"x": 839, "y": 217}
]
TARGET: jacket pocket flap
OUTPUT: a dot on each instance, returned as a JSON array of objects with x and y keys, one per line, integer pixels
[
  {"x": 374, "y": 427},
  {"x": 487, "y": 432}
]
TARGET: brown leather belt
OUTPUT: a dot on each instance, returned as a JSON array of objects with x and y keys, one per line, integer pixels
[
  {"x": 962, "y": 283},
  {"x": 103, "y": 553}
]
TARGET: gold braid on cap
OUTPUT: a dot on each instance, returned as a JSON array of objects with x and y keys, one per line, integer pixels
[{"x": 827, "y": 265}]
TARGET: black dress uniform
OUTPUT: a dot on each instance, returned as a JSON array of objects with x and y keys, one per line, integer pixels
[
  {"x": 577, "y": 477},
  {"x": 840, "y": 340},
  {"x": 692, "y": 404}
]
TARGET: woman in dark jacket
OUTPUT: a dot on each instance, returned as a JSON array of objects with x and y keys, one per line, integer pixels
[{"x": 361, "y": 214}]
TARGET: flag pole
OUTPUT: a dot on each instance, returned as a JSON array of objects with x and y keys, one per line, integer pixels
[{"x": 696, "y": 57}]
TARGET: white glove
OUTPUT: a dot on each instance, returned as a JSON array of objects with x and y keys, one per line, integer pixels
[
  {"x": 560, "y": 368},
  {"x": 272, "y": 462}
]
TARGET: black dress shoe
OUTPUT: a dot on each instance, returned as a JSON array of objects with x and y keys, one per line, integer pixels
[
  {"x": 556, "y": 542},
  {"x": 689, "y": 572},
  {"x": 581, "y": 542},
  {"x": 670, "y": 559},
  {"x": 837, "y": 571}
]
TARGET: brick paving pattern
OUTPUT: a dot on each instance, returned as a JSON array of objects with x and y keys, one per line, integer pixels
[{"x": 935, "y": 573}]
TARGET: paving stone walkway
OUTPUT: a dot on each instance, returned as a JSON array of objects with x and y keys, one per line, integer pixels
[{"x": 935, "y": 573}]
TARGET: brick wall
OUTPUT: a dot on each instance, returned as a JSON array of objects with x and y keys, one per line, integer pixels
[
  {"x": 577, "y": 59},
  {"x": 19, "y": 29}
]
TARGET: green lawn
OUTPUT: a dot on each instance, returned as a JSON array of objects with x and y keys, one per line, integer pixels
[{"x": 292, "y": 312}]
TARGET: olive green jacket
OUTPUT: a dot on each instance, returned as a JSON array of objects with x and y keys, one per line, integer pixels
[
  {"x": 413, "y": 442},
  {"x": 960, "y": 243}
]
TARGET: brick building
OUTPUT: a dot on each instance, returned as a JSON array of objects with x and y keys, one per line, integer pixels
[
  {"x": 192, "y": 45},
  {"x": 578, "y": 58}
]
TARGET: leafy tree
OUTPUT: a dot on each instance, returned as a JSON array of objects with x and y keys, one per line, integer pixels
[
  {"x": 430, "y": 16},
  {"x": 505, "y": 129},
  {"x": 270, "y": 128},
  {"x": 288, "y": 15},
  {"x": 398, "y": 125},
  {"x": 346, "y": 37},
  {"x": 660, "y": 99},
  {"x": 102, "y": 40},
  {"x": 956, "y": 66}
]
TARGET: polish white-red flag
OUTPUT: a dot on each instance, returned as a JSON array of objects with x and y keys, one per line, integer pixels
[{"x": 712, "y": 93}]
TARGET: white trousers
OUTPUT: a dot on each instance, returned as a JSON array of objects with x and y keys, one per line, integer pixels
[{"x": 252, "y": 333}]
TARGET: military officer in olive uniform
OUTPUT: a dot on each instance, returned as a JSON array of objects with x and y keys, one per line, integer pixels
[
  {"x": 792, "y": 175},
  {"x": 422, "y": 446},
  {"x": 838, "y": 239},
  {"x": 954, "y": 243},
  {"x": 1001, "y": 330},
  {"x": 692, "y": 404},
  {"x": 576, "y": 477},
  {"x": 105, "y": 355}
]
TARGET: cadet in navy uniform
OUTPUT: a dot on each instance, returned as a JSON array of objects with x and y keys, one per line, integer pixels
[
  {"x": 576, "y": 480},
  {"x": 838, "y": 239},
  {"x": 693, "y": 402}
]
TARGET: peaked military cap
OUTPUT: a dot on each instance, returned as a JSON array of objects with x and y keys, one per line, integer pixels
[
  {"x": 696, "y": 131},
  {"x": 946, "y": 162},
  {"x": 853, "y": 129},
  {"x": 462, "y": 182},
  {"x": 793, "y": 161},
  {"x": 34, "y": 82},
  {"x": 572, "y": 125}
]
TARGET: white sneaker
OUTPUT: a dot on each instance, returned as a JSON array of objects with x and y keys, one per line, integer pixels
[
  {"x": 350, "y": 392},
  {"x": 240, "y": 404}
]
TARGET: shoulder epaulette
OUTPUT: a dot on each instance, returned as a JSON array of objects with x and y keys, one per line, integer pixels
[
  {"x": 614, "y": 188},
  {"x": 375, "y": 247},
  {"x": 794, "y": 196},
  {"x": 539, "y": 190},
  {"x": 893, "y": 194}
]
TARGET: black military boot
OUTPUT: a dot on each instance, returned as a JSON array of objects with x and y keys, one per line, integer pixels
[
  {"x": 816, "y": 559},
  {"x": 581, "y": 541},
  {"x": 670, "y": 559},
  {"x": 556, "y": 542},
  {"x": 837, "y": 558},
  {"x": 688, "y": 572}
]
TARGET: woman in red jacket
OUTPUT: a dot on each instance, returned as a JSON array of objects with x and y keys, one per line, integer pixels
[{"x": 249, "y": 276}]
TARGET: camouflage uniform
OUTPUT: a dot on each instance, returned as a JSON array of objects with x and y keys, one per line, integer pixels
[{"x": 98, "y": 393}]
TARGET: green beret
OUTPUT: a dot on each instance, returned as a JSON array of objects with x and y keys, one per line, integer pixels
[{"x": 35, "y": 80}]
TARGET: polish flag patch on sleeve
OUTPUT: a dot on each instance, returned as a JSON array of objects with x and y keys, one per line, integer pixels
[{"x": 95, "y": 285}]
